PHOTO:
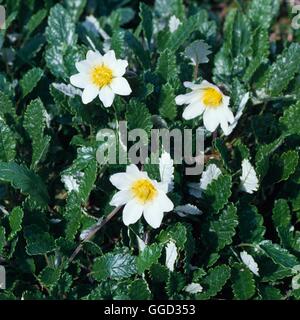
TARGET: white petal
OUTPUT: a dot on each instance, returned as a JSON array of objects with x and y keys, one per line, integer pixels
[
  {"x": 83, "y": 66},
  {"x": 121, "y": 180},
  {"x": 165, "y": 204},
  {"x": 249, "y": 180},
  {"x": 110, "y": 59},
  {"x": 133, "y": 171},
  {"x": 120, "y": 86},
  {"x": 211, "y": 119},
  {"x": 225, "y": 127},
  {"x": 89, "y": 93},
  {"x": 132, "y": 212},
  {"x": 153, "y": 214},
  {"x": 120, "y": 198},
  {"x": 107, "y": 96},
  {"x": 94, "y": 57},
  {"x": 187, "y": 98},
  {"x": 211, "y": 173},
  {"x": 166, "y": 170},
  {"x": 120, "y": 68},
  {"x": 249, "y": 262},
  {"x": 79, "y": 80},
  {"x": 192, "y": 111},
  {"x": 171, "y": 255},
  {"x": 193, "y": 288}
]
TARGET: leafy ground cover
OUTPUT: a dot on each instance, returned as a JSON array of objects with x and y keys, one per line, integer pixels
[{"x": 234, "y": 230}]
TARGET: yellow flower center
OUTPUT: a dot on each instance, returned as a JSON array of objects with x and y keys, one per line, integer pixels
[
  {"x": 101, "y": 76},
  {"x": 211, "y": 97},
  {"x": 143, "y": 190}
]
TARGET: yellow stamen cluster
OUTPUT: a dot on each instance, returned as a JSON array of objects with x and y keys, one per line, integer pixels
[
  {"x": 143, "y": 190},
  {"x": 211, "y": 97},
  {"x": 101, "y": 76}
]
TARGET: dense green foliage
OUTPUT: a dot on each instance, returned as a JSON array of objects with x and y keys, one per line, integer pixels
[{"x": 47, "y": 133}]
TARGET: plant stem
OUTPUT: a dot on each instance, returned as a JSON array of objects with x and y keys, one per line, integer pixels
[
  {"x": 93, "y": 232},
  {"x": 195, "y": 76}
]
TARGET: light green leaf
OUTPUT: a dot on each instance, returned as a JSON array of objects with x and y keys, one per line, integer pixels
[
  {"x": 26, "y": 180},
  {"x": 35, "y": 123},
  {"x": 49, "y": 277},
  {"x": 114, "y": 266},
  {"x": 15, "y": 221},
  {"x": 38, "y": 241},
  {"x": 146, "y": 17},
  {"x": 222, "y": 230},
  {"x": 290, "y": 126},
  {"x": 35, "y": 21},
  {"x": 168, "y": 108},
  {"x": 214, "y": 282},
  {"x": 7, "y": 142},
  {"x": 139, "y": 290},
  {"x": 30, "y": 80},
  {"x": 198, "y": 51},
  {"x": 218, "y": 193},
  {"x": 148, "y": 257},
  {"x": 278, "y": 254},
  {"x": 166, "y": 66},
  {"x": 281, "y": 72},
  {"x": 243, "y": 285}
]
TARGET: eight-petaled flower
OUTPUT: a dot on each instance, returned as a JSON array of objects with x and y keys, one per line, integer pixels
[
  {"x": 207, "y": 99},
  {"x": 101, "y": 76},
  {"x": 141, "y": 196}
]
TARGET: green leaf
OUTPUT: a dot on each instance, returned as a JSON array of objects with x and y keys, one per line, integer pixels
[
  {"x": 38, "y": 241},
  {"x": 15, "y": 221},
  {"x": 35, "y": 123},
  {"x": 168, "y": 108},
  {"x": 159, "y": 273},
  {"x": 218, "y": 193},
  {"x": 281, "y": 72},
  {"x": 134, "y": 44},
  {"x": 260, "y": 49},
  {"x": 61, "y": 29},
  {"x": 166, "y": 66},
  {"x": 224, "y": 152},
  {"x": 270, "y": 293},
  {"x": 290, "y": 126},
  {"x": 6, "y": 107},
  {"x": 251, "y": 223},
  {"x": 148, "y": 257},
  {"x": 114, "y": 266},
  {"x": 35, "y": 21},
  {"x": 175, "y": 284},
  {"x": 243, "y": 285},
  {"x": 177, "y": 233},
  {"x": 184, "y": 31},
  {"x": 118, "y": 42},
  {"x": 75, "y": 8},
  {"x": 7, "y": 142},
  {"x": 73, "y": 215},
  {"x": 139, "y": 290},
  {"x": 278, "y": 254},
  {"x": 87, "y": 183},
  {"x": 214, "y": 282},
  {"x": 146, "y": 17},
  {"x": 138, "y": 116},
  {"x": 221, "y": 231},
  {"x": 49, "y": 277},
  {"x": 198, "y": 51},
  {"x": 30, "y": 80},
  {"x": 26, "y": 180},
  {"x": 289, "y": 162},
  {"x": 262, "y": 12}
]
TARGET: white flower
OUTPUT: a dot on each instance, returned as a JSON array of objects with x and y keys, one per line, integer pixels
[
  {"x": 207, "y": 99},
  {"x": 193, "y": 288},
  {"x": 187, "y": 209},
  {"x": 166, "y": 170},
  {"x": 141, "y": 196},
  {"x": 211, "y": 173},
  {"x": 249, "y": 262},
  {"x": 101, "y": 76},
  {"x": 171, "y": 255},
  {"x": 249, "y": 181},
  {"x": 174, "y": 23}
]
